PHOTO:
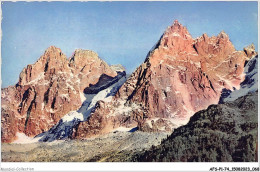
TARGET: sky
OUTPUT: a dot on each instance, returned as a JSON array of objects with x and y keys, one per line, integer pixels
[{"x": 120, "y": 32}]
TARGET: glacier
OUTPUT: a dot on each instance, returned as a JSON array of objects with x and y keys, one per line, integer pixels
[
  {"x": 68, "y": 123},
  {"x": 250, "y": 84}
]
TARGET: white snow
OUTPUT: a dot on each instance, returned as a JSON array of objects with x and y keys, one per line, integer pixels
[
  {"x": 177, "y": 92},
  {"x": 182, "y": 67},
  {"x": 246, "y": 88},
  {"x": 36, "y": 80},
  {"x": 118, "y": 68},
  {"x": 175, "y": 34},
  {"x": 52, "y": 110},
  {"x": 187, "y": 35},
  {"x": 42, "y": 106},
  {"x": 72, "y": 115},
  {"x": 65, "y": 96},
  {"x": 103, "y": 94},
  {"x": 161, "y": 61},
  {"x": 60, "y": 72},
  {"x": 169, "y": 66},
  {"x": 122, "y": 129},
  {"x": 71, "y": 87},
  {"x": 90, "y": 101},
  {"x": 197, "y": 64},
  {"x": 123, "y": 109},
  {"x": 23, "y": 139},
  {"x": 227, "y": 82},
  {"x": 82, "y": 97},
  {"x": 168, "y": 89},
  {"x": 174, "y": 113}
]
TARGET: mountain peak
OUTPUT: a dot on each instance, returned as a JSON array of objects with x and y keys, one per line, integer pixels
[
  {"x": 80, "y": 53},
  {"x": 222, "y": 34},
  {"x": 250, "y": 51},
  {"x": 52, "y": 53},
  {"x": 177, "y": 27},
  {"x": 52, "y": 48},
  {"x": 176, "y": 22}
]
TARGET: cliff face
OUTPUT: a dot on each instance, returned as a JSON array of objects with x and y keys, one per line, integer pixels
[
  {"x": 221, "y": 133},
  {"x": 179, "y": 77},
  {"x": 49, "y": 89}
]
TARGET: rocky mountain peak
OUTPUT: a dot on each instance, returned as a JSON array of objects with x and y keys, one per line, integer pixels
[
  {"x": 52, "y": 53},
  {"x": 250, "y": 51},
  {"x": 52, "y": 61},
  {"x": 85, "y": 54},
  {"x": 223, "y": 34},
  {"x": 177, "y": 30},
  {"x": 52, "y": 48},
  {"x": 118, "y": 68},
  {"x": 179, "y": 77},
  {"x": 50, "y": 88},
  {"x": 82, "y": 57}
]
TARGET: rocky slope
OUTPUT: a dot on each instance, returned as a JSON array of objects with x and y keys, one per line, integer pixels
[
  {"x": 248, "y": 85},
  {"x": 68, "y": 124},
  {"x": 49, "y": 89},
  {"x": 179, "y": 77},
  {"x": 111, "y": 147},
  {"x": 221, "y": 133}
]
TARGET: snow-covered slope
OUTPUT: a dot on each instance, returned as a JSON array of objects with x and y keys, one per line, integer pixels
[
  {"x": 250, "y": 84},
  {"x": 64, "y": 128}
]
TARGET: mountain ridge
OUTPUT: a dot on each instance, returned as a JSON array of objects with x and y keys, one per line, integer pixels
[
  {"x": 179, "y": 77},
  {"x": 49, "y": 89}
]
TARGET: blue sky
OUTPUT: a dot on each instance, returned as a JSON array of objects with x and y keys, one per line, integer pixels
[{"x": 120, "y": 32}]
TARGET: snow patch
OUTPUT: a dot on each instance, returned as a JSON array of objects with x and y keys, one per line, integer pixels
[
  {"x": 161, "y": 61},
  {"x": 124, "y": 110},
  {"x": 69, "y": 86},
  {"x": 168, "y": 89},
  {"x": 250, "y": 84},
  {"x": 36, "y": 80},
  {"x": 72, "y": 115},
  {"x": 176, "y": 34},
  {"x": 63, "y": 129},
  {"x": 82, "y": 97},
  {"x": 42, "y": 106},
  {"x": 23, "y": 139},
  {"x": 124, "y": 129},
  {"x": 182, "y": 67},
  {"x": 197, "y": 64},
  {"x": 177, "y": 92},
  {"x": 65, "y": 96}
]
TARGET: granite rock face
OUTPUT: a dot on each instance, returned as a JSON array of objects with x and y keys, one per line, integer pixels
[
  {"x": 49, "y": 89},
  {"x": 222, "y": 133},
  {"x": 180, "y": 76}
]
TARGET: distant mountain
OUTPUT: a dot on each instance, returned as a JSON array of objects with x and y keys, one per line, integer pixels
[
  {"x": 222, "y": 133},
  {"x": 51, "y": 88},
  {"x": 179, "y": 77}
]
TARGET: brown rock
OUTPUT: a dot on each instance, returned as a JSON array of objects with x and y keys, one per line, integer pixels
[
  {"x": 179, "y": 77},
  {"x": 250, "y": 51},
  {"x": 47, "y": 90}
]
